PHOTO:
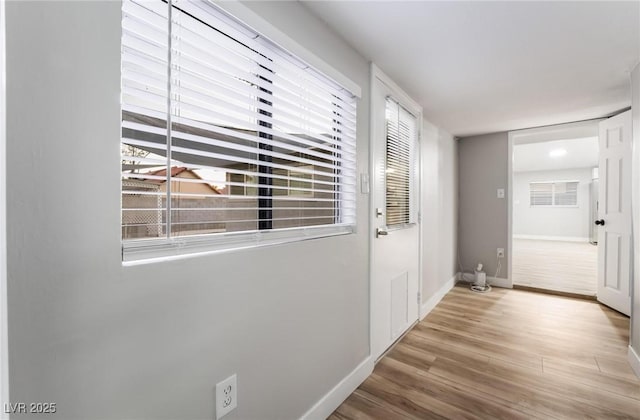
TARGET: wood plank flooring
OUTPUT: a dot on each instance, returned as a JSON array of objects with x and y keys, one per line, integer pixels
[
  {"x": 507, "y": 354},
  {"x": 556, "y": 265}
]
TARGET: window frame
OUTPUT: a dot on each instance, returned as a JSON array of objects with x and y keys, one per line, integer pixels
[
  {"x": 141, "y": 251},
  {"x": 411, "y": 176},
  {"x": 553, "y": 194}
]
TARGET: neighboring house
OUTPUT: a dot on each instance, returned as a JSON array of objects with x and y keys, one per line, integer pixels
[
  {"x": 196, "y": 198},
  {"x": 207, "y": 209},
  {"x": 298, "y": 198}
]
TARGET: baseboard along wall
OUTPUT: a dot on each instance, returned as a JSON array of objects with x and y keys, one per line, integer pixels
[
  {"x": 552, "y": 238},
  {"x": 431, "y": 303},
  {"x": 634, "y": 361}
]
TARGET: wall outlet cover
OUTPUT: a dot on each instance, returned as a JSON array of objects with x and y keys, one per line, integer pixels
[{"x": 226, "y": 396}]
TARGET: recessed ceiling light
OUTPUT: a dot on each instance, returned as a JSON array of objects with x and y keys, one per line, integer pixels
[{"x": 557, "y": 153}]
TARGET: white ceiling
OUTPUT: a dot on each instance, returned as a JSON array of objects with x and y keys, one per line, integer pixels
[
  {"x": 581, "y": 153},
  {"x": 480, "y": 67}
]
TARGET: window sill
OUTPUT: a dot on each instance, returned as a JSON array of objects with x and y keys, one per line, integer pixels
[{"x": 148, "y": 251}]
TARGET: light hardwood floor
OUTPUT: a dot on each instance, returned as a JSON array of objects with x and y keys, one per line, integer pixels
[
  {"x": 507, "y": 354},
  {"x": 563, "y": 266}
]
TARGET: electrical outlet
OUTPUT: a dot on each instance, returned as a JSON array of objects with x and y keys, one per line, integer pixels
[
  {"x": 500, "y": 252},
  {"x": 226, "y": 396}
]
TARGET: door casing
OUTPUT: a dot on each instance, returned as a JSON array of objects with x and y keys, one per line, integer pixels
[{"x": 377, "y": 76}]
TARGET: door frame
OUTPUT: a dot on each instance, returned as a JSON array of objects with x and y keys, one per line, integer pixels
[
  {"x": 587, "y": 128},
  {"x": 4, "y": 338},
  {"x": 415, "y": 109}
]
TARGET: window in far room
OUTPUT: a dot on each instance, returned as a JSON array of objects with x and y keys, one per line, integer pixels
[{"x": 553, "y": 194}]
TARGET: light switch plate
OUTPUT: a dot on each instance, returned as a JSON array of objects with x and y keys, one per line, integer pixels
[
  {"x": 364, "y": 183},
  {"x": 500, "y": 192}
]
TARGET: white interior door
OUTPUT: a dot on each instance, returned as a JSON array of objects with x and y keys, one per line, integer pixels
[
  {"x": 395, "y": 248},
  {"x": 614, "y": 213}
]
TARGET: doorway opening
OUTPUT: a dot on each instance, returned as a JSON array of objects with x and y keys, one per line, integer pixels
[
  {"x": 570, "y": 212},
  {"x": 555, "y": 197}
]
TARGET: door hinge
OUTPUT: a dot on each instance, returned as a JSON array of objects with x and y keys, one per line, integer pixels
[{"x": 419, "y": 298}]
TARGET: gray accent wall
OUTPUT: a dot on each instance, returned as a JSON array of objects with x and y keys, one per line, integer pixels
[
  {"x": 483, "y": 226},
  {"x": 151, "y": 341}
]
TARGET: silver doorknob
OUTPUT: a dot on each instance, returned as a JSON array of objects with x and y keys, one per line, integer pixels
[{"x": 381, "y": 232}]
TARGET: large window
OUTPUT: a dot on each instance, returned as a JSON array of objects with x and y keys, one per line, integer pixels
[
  {"x": 553, "y": 194},
  {"x": 225, "y": 134}
]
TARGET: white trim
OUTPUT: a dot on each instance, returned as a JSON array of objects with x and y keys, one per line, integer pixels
[
  {"x": 634, "y": 361},
  {"x": 635, "y": 208},
  {"x": 511, "y": 139},
  {"x": 588, "y": 128},
  {"x": 399, "y": 93},
  {"x": 554, "y": 182},
  {"x": 4, "y": 335},
  {"x": 336, "y": 396},
  {"x": 146, "y": 251},
  {"x": 259, "y": 24},
  {"x": 552, "y": 238},
  {"x": 437, "y": 297},
  {"x": 419, "y": 217},
  {"x": 371, "y": 226}
]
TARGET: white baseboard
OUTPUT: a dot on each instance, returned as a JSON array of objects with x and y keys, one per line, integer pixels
[
  {"x": 553, "y": 238},
  {"x": 336, "y": 396},
  {"x": 437, "y": 297},
  {"x": 634, "y": 361}
]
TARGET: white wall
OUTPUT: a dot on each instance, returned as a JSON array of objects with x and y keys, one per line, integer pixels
[
  {"x": 151, "y": 341},
  {"x": 561, "y": 222},
  {"x": 439, "y": 209},
  {"x": 106, "y": 341},
  {"x": 447, "y": 219}
]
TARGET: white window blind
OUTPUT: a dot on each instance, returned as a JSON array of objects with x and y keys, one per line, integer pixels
[
  {"x": 565, "y": 193},
  {"x": 401, "y": 165},
  {"x": 223, "y": 131},
  {"x": 554, "y": 193},
  {"x": 541, "y": 193}
]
